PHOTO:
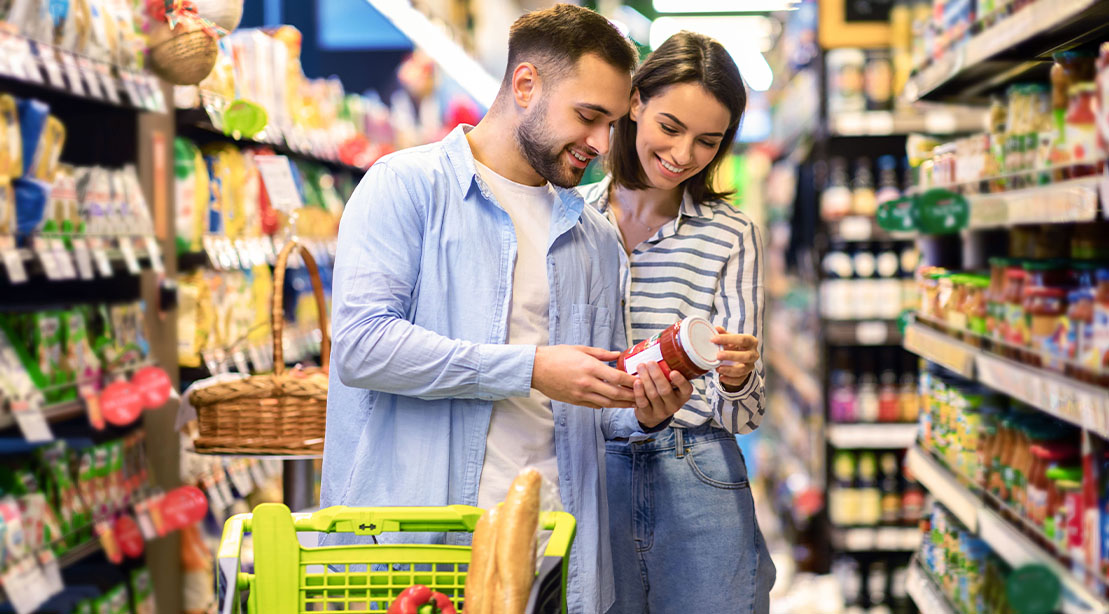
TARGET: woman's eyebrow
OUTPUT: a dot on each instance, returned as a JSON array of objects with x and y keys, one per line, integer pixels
[{"x": 679, "y": 122}]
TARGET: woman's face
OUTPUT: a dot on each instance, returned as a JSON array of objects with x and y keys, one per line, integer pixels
[{"x": 678, "y": 132}]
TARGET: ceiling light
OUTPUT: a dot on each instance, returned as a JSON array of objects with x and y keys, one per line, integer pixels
[
  {"x": 745, "y": 38},
  {"x": 438, "y": 45}
]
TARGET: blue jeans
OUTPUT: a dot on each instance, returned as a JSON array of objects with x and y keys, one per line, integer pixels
[{"x": 683, "y": 528}]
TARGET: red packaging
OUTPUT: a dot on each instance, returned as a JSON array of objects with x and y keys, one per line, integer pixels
[{"x": 686, "y": 347}]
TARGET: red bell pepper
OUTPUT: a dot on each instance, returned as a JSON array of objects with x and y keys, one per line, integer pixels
[{"x": 420, "y": 599}]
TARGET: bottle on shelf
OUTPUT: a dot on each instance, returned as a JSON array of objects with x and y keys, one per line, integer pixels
[
  {"x": 912, "y": 499},
  {"x": 843, "y": 499},
  {"x": 864, "y": 200},
  {"x": 865, "y": 300},
  {"x": 868, "y": 390},
  {"x": 870, "y": 502},
  {"x": 836, "y": 291},
  {"x": 836, "y": 199},
  {"x": 888, "y": 185},
  {"x": 908, "y": 394},
  {"x": 876, "y": 580},
  {"x": 842, "y": 396},
  {"x": 891, "y": 488},
  {"x": 889, "y": 397}
]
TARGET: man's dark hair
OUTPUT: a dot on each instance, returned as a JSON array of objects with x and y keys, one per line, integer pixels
[
  {"x": 685, "y": 57},
  {"x": 555, "y": 39}
]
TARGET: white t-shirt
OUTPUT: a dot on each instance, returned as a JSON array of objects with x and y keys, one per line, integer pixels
[{"x": 521, "y": 431}]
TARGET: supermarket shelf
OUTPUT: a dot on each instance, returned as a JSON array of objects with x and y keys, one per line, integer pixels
[
  {"x": 924, "y": 592},
  {"x": 1008, "y": 50},
  {"x": 862, "y": 332},
  {"x": 856, "y": 228},
  {"x": 869, "y": 539},
  {"x": 59, "y": 412},
  {"x": 804, "y": 383},
  {"x": 79, "y": 553},
  {"x": 42, "y": 70},
  {"x": 886, "y": 123},
  {"x": 196, "y": 124},
  {"x": 1060, "y": 396},
  {"x": 1064, "y": 202},
  {"x": 1004, "y": 538},
  {"x": 872, "y": 436}
]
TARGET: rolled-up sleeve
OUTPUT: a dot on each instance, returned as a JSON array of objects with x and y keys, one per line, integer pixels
[{"x": 374, "y": 346}]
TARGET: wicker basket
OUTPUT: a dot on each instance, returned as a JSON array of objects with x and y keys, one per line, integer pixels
[
  {"x": 182, "y": 56},
  {"x": 279, "y": 414}
]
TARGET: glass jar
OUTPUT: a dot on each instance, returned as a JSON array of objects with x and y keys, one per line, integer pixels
[
  {"x": 976, "y": 307},
  {"x": 1081, "y": 130},
  {"x": 1078, "y": 350},
  {"x": 1014, "y": 328},
  {"x": 995, "y": 296},
  {"x": 954, "y": 309},
  {"x": 1045, "y": 309}
]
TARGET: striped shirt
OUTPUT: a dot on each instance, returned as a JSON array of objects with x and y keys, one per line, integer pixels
[{"x": 706, "y": 262}]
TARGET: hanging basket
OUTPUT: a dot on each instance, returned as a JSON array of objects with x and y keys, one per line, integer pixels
[
  {"x": 283, "y": 413},
  {"x": 184, "y": 55}
]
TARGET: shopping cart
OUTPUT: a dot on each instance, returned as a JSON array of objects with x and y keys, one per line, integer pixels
[{"x": 291, "y": 579}]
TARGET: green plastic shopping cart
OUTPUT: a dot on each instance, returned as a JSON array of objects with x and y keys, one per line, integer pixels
[{"x": 289, "y": 578}]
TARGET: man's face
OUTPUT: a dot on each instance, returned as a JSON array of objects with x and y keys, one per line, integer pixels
[{"x": 570, "y": 122}]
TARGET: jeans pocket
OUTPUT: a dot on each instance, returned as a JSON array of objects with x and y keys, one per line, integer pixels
[{"x": 718, "y": 464}]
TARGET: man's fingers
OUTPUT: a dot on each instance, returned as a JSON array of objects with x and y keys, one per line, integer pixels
[
  {"x": 598, "y": 353},
  {"x": 614, "y": 376},
  {"x": 609, "y": 391}
]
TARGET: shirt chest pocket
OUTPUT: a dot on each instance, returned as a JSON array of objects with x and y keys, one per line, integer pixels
[{"x": 590, "y": 325}]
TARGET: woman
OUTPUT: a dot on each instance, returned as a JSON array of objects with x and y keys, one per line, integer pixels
[{"x": 684, "y": 535}]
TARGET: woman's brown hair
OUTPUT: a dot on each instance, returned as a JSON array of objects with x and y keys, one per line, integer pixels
[{"x": 686, "y": 57}]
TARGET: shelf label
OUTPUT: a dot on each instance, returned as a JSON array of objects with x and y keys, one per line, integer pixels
[
  {"x": 89, "y": 77},
  {"x": 83, "y": 257},
  {"x": 72, "y": 72},
  {"x": 110, "y": 85},
  {"x": 934, "y": 347},
  {"x": 277, "y": 179},
  {"x": 155, "y": 254},
  {"x": 127, "y": 248},
  {"x": 49, "y": 61},
  {"x": 100, "y": 257},
  {"x": 48, "y": 259},
  {"x": 32, "y": 423},
  {"x": 65, "y": 260},
  {"x": 13, "y": 262}
]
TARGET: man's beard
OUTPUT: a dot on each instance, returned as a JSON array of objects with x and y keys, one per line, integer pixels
[{"x": 542, "y": 153}]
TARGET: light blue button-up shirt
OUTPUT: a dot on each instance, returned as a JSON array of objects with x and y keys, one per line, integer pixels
[{"x": 422, "y": 288}]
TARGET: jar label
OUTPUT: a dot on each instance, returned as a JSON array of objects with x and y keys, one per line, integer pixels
[{"x": 652, "y": 353}]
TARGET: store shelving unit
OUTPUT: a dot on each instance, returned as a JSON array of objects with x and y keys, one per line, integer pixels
[
  {"x": 859, "y": 228},
  {"x": 876, "y": 539},
  {"x": 862, "y": 332},
  {"x": 1010, "y": 49},
  {"x": 889, "y": 123},
  {"x": 925, "y": 593},
  {"x": 1052, "y": 392},
  {"x": 891, "y": 436},
  {"x": 1004, "y": 537}
]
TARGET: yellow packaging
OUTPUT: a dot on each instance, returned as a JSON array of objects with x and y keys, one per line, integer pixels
[
  {"x": 7, "y": 207},
  {"x": 49, "y": 150},
  {"x": 229, "y": 168},
  {"x": 11, "y": 143}
]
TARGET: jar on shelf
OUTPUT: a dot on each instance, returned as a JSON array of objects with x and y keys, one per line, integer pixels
[
  {"x": 954, "y": 310},
  {"x": 1014, "y": 328},
  {"x": 975, "y": 307},
  {"x": 1099, "y": 359},
  {"x": 1081, "y": 130},
  {"x": 1045, "y": 309},
  {"x": 995, "y": 296}
]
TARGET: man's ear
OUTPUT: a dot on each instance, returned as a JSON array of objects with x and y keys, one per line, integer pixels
[
  {"x": 636, "y": 106},
  {"x": 525, "y": 84}
]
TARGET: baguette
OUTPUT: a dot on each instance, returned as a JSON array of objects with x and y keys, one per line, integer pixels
[
  {"x": 479, "y": 578},
  {"x": 515, "y": 545}
]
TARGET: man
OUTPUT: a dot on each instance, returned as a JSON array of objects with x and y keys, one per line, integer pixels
[{"x": 472, "y": 289}]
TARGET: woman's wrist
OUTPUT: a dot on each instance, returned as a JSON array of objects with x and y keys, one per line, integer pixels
[{"x": 738, "y": 388}]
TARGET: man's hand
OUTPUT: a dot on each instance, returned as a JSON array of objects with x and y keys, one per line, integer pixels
[
  {"x": 578, "y": 375},
  {"x": 658, "y": 398},
  {"x": 739, "y": 353}
]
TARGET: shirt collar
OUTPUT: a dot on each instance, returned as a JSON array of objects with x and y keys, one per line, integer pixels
[
  {"x": 462, "y": 161},
  {"x": 688, "y": 208}
]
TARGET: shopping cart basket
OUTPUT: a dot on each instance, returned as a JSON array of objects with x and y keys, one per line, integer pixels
[{"x": 291, "y": 579}]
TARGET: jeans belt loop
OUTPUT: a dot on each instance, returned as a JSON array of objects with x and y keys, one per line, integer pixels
[{"x": 679, "y": 442}]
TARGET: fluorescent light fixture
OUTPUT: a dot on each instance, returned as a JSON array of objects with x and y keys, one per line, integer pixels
[
  {"x": 724, "y": 6},
  {"x": 745, "y": 38},
  {"x": 639, "y": 25},
  {"x": 439, "y": 46}
]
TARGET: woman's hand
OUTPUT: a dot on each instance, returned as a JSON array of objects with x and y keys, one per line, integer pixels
[
  {"x": 656, "y": 397},
  {"x": 738, "y": 355}
]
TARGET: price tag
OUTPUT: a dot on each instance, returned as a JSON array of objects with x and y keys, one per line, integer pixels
[
  {"x": 65, "y": 260},
  {"x": 245, "y": 257},
  {"x": 83, "y": 257},
  {"x": 25, "y": 586},
  {"x": 240, "y": 362},
  {"x": 228, "y": 254},
  {"x": 5, "y": 67},
  {"x": 155, "y": 254},
  {"x": 127, "y": 248},
  {"x": 100, "y": 257},
  {"x": 51, "y": 571},
  {"x": 277, "y": 179},
  {"x": 110, "y": 85},
  {"x": 30, "y": 60},
  {"x": 32, "y": 423},
  {"x": 258, "y": 472},
  {"x": 50, "y": 62},
  {"x": 72, "y": 72},
  {"x": 89, "y": 77},
  {"x": 47, "y": 257},
  {"x": 19, "y": 57},
  {"x": 13, "y": 262}
]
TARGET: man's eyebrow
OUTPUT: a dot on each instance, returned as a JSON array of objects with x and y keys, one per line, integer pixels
[
  {"x": 595, "y": 107},
  {"x": 679, "y": 122}
]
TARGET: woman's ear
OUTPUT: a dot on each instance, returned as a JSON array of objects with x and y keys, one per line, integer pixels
[{"x": 636, "y": 106}]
